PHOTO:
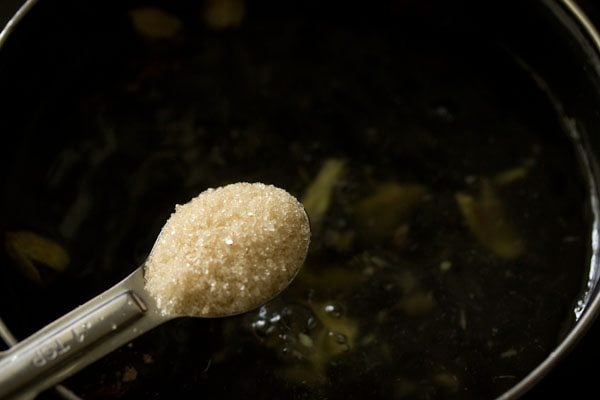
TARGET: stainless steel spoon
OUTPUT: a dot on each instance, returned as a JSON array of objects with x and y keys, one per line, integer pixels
[
  {"x": 127, "y": 310},
  {"x": 77, "y": 339}
]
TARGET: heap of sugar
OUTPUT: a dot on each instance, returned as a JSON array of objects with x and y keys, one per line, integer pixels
[{"x": 227, "y": 251}]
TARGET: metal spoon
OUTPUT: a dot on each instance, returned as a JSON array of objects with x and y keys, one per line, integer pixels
[
  {"x": 77, "y": 339},
  {"x": 101, "y": 325}
]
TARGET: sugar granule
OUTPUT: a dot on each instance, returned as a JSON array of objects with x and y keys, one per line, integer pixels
[{"x": 227, "y": 251}]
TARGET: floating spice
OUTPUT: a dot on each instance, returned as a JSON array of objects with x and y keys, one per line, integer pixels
[
  {"x": 337, "y": 336},
  {"x": 223, "y": 14},
  {"x": 415, "y": 301},
  {"x": 129, "y": 374},
  {"x": 381, "y": 213},
  {"x": 319, "y": 193},
  {"x": 155, "y": 23},
  {"x": 514, "y": 174},
  {"x": 447, "y": 381},
  {"x": 30, "y": 251},
  {"x": 486, "y": 218}
]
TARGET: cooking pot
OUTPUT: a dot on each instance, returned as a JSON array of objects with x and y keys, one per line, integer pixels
[{"x": 118, "y": 110}]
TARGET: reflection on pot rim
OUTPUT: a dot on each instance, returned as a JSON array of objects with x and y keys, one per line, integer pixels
[{"x": 588, "y": 307}]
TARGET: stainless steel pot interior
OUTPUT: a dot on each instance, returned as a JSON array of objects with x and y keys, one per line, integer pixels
[{"x": 561, "y": 31}]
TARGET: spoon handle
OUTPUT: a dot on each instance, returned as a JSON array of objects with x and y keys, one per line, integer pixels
[{"x": 77, "y": 339}]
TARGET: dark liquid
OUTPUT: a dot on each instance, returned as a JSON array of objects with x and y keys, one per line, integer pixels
[{"x": 425, "y": 308}]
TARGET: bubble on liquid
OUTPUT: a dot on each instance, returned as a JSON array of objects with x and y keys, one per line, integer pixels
[
  {"x": 262, "y": 329},
  {"x": 113, "y": 327},
  {"x": 275, "y": 318},
  {"x": 88, "y": 325},
  {"x": 333, "y": 310},
  {"x": 311, "y": 323},
  {"x": 292, "y": 327},
  {"x": 340, "y": 338}
]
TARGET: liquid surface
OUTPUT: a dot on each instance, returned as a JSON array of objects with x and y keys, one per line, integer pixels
[{"x": 448, "y": 217}]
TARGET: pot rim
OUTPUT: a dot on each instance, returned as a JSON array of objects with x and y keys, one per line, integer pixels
[
  {"x": 14, "y": 21},
  {"x": 592, "y": 309}
]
